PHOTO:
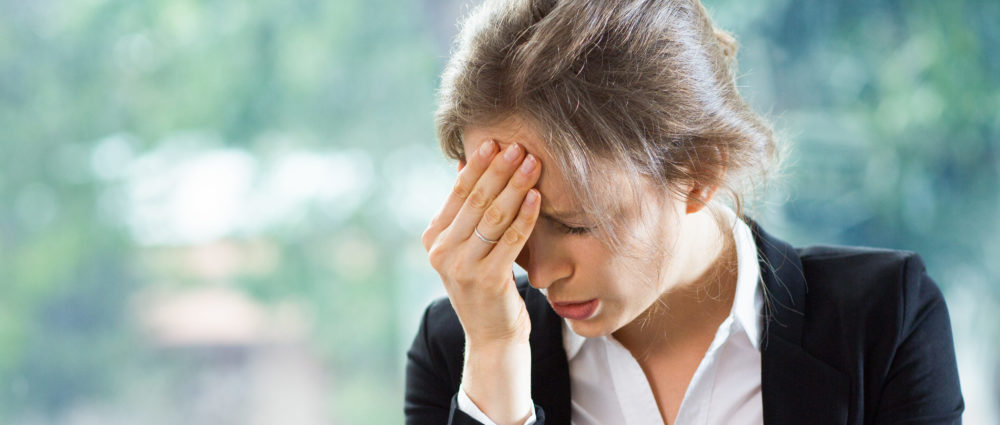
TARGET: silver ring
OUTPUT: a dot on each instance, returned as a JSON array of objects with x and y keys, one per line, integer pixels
[{"x": 483, "y": 238}]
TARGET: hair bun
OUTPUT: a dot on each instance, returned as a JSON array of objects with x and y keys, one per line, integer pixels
[{"x": 727, "y": 43}]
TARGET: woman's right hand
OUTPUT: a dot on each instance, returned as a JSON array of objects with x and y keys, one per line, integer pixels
[{"x": 493, "y": 194}]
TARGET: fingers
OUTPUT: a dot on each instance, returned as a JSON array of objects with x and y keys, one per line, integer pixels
[
  {"x": 512, "y": 242},
  {"x": 486, "y": 189},
  {"x": 469, "y": 174},
  {"x": 505, "y": 207}
]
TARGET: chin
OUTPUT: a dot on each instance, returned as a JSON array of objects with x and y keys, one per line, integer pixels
[{"x": 591, "y": 328}]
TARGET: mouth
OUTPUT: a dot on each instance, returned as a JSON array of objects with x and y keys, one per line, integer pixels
[{"x": 580, "y": 310}]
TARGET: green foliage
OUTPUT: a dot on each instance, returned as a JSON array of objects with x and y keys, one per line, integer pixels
[
  {"x": 892, "y": 113},
  {"x": 890, "y": 107}
]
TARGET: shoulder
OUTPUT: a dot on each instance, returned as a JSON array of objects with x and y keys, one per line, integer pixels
[
  {"x": 860, "y": 278},
  {"x": 868, "y": 298},
  {"x": 877, "y": 315},
  {"x": 854, "y": 258}
]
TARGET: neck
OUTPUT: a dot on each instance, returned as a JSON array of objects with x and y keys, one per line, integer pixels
[{"x": 700, "y": 296}]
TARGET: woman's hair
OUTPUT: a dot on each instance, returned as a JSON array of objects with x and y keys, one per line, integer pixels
[{"x": 640, "y": 88}]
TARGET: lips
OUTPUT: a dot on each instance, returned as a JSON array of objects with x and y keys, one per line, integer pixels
[{"x": 575, "y": 310}]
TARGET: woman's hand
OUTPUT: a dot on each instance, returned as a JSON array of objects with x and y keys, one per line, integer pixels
[{"x": 494, "y": 195}]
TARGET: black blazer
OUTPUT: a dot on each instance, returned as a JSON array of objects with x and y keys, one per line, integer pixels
[{"x": 851, "y": 336}]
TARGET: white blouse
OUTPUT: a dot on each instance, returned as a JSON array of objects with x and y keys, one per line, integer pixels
[{"x": 608, "y": 386}]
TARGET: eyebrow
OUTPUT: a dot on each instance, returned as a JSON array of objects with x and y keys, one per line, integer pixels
[{"x": 560, "y": 216}]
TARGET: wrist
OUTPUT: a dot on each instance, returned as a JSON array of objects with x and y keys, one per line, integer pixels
[
  {"x": 497, "y": 378},
  {"x": 496, "y": 346}
]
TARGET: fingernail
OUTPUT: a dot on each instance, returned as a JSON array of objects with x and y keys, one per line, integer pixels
[
  {"x": 487, "y": 148},
  {"x": 528, "y": 164},
  {"x": 531, "y": 198},
  {"x": 512, "y": 152}
]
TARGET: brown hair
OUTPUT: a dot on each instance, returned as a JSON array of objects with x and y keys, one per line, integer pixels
[{"x": 641, "y": 86}]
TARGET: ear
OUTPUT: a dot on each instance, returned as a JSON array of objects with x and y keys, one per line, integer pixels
[
  {"x": 461, "y": 164},
  {"x": 699, "y": 196}
]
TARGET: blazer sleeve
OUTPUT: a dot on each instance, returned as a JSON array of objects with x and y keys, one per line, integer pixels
[
  {"x": 428, "y": 396},
  {"x": 922, "y": 385},
  {"x": 431, "y": 397}
]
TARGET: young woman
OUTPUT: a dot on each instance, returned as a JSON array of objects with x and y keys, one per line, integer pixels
[{"x": 592, "y": 139}]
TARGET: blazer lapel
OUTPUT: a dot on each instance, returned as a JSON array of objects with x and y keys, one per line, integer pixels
[
  {"x": 796, "y": 387},
  {"x": 550, "y": 386}
]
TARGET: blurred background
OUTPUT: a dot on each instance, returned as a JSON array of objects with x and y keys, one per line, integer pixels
[{"x": 210, "y": 210}]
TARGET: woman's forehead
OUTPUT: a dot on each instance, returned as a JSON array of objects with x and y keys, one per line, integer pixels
[
  {"x": 505, "y": 132},
  {"x": 558, "y": 200},
  {"x": 551, "y": 184}
]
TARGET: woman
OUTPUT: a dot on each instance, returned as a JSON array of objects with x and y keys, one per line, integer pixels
[{"x": 592, "y": 140}]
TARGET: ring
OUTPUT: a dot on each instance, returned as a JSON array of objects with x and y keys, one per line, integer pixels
[{"x": 483, "y": 238}]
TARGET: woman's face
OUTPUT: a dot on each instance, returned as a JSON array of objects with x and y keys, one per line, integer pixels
[{"x": 571, "y": 265}]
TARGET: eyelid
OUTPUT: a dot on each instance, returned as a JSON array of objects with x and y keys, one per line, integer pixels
[
  {"x": 575, "y": 225},
  {"x": 558, "y": 220},
  {"x": 570, "y": 228},
  {"x": 575, "y": 230}
]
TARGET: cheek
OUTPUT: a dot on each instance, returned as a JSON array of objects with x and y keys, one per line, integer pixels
[
  {"x": 634, "y": 281},
  {"x": 632, "y": 284}
]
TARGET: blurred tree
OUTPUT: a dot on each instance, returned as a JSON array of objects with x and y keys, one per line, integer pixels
[
  {"x": 890, "y": 106},
  {"x": 346, "y": 75}
]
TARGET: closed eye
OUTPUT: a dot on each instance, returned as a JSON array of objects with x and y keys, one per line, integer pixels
[
  {"x": 565, "y": 228},
  {"x": 572, "y": 230},
  {"x": 575, "y": 230}
]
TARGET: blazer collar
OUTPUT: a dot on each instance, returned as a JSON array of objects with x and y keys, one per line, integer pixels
[
  {"x": 784, "y": 286},
  {"x": 796, "y": 387}
]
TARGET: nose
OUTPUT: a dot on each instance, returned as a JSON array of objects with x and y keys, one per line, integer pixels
[{"x": 545, "y": 260}]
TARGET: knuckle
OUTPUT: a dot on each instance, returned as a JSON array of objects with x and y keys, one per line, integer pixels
[
  {"x": 513, "y": 236},
  {"x": 436, "y": 225},
  {"x": 434, "y": 222},
  {"x": 437, "y": 257},
  {"x": 461, "y": 274},
  {"x": 430, "y": 233},
  {"x": 477, "y": 199},
  {"x": 522, "y": 183},
  {"x": 460, "y": 191},
  {"x": 494, "y": 216},
  {"x": 425, "y": 239}
]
